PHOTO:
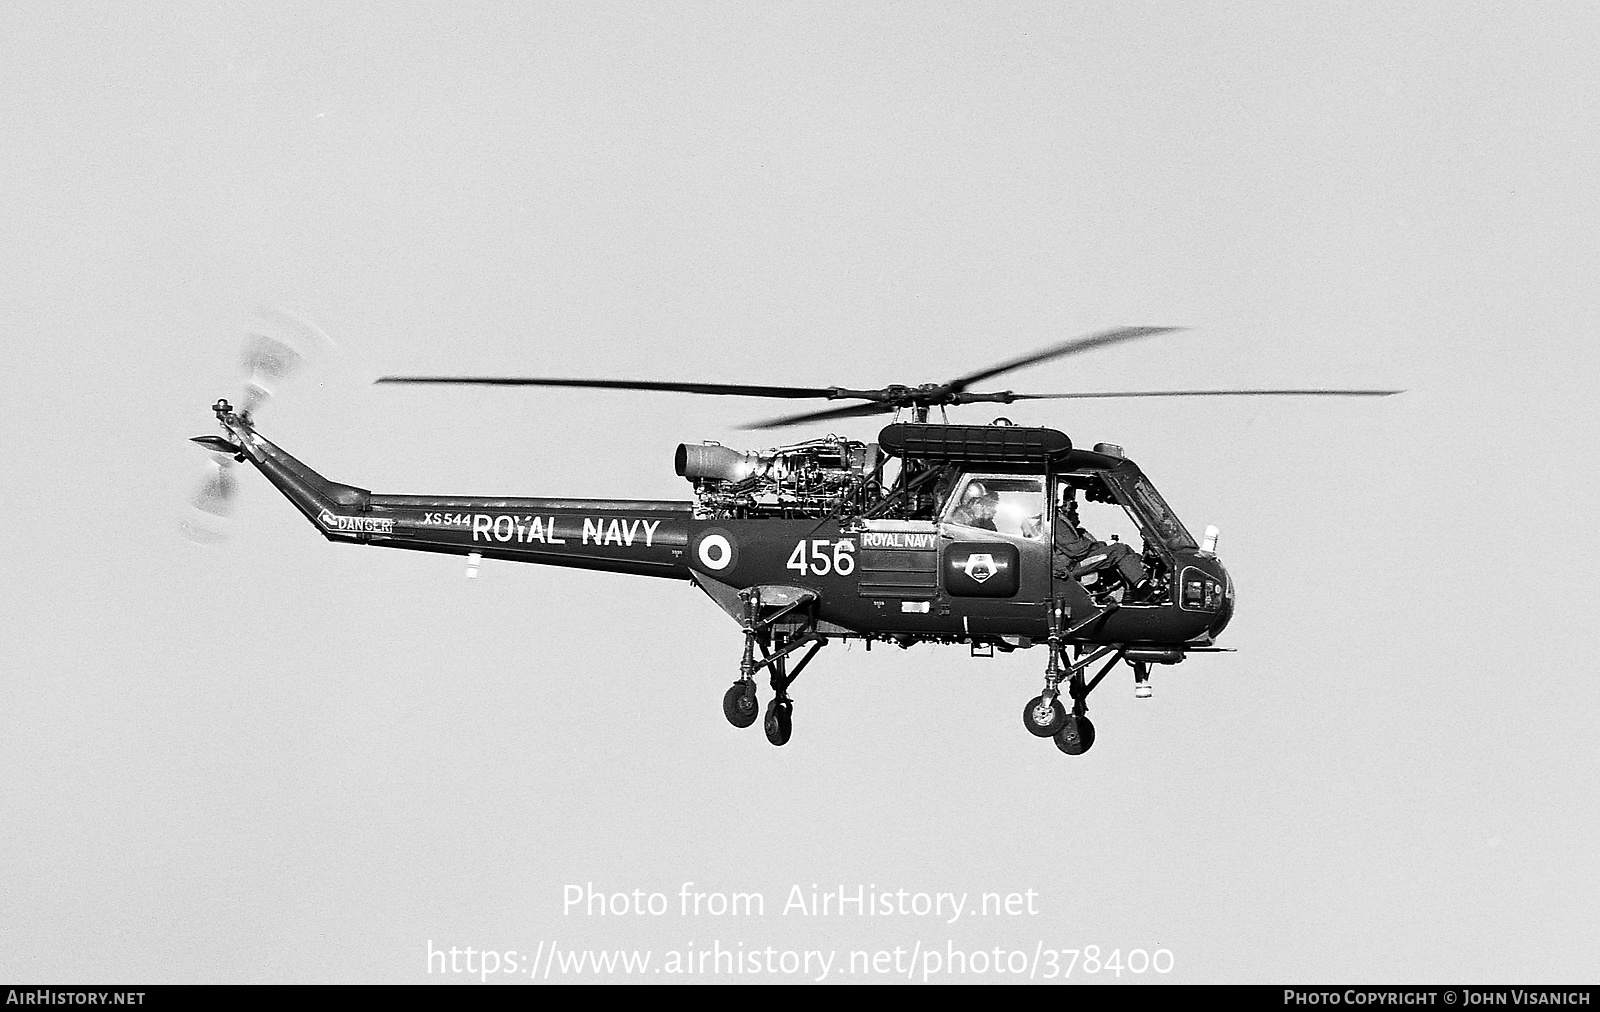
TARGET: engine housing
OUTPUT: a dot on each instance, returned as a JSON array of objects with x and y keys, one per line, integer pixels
[{"x": 818, "y": 478}]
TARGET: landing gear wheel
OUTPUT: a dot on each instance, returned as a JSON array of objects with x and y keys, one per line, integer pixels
[
  {"x": 739, "y": 704},
  {"x": 1076, "y": 736},
  {"x": 1043, "y": 720},
  {"x": 779, "y": 723}
]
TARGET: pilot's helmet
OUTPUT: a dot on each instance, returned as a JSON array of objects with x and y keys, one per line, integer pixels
[{"x": 976, "y": 490}]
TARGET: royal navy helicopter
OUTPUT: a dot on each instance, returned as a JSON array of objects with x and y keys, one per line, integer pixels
[{"x": 934, "y": 533}]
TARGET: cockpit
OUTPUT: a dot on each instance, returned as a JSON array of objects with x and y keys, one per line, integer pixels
[{"x": 1117, "y": 511}]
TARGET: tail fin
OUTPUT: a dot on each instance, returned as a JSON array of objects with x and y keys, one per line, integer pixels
[{"x": 336, "y": 509}]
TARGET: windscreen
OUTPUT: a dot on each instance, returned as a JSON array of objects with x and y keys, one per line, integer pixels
[{"x": 1163, "y": 522}]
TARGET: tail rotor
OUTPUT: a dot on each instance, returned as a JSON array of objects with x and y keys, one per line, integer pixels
[{"x": 278, "y": 344}]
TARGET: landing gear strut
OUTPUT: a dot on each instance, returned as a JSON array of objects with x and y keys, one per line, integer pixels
[
  {"x": 739, "y": 703},
  {"x": 1044, "y": 715}
]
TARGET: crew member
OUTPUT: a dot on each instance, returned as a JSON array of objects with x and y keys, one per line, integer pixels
[
  {"x": 978, "y": 506},
  {"x": 1079, "y": 553}
]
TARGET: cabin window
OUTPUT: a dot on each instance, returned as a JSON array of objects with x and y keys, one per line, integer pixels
[{"x": 1009, "y": 505}]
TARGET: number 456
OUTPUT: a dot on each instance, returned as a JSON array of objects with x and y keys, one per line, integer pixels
[{"x": 819, "y": 561}]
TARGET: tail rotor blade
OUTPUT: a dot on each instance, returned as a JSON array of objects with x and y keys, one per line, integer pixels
[
  {"x": 208, "y": 518},
  {"x": 219, "y": 489},
  {"x": 278, "y": 345},
  {"x": 265, "y": 361}
]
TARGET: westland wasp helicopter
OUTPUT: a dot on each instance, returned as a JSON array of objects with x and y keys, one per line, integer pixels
[{"x": 935, "y": 533}]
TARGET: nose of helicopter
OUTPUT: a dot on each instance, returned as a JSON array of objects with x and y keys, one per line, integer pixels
[{"x": 1225, "y": 612}]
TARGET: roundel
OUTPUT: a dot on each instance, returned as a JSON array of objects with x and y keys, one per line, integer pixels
[{"x": 715, "y": 551}]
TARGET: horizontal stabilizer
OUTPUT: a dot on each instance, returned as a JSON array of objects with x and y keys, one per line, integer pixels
[{"x": 218, "y": 444}]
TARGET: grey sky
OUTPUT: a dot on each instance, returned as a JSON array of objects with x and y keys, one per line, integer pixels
[{"x": 292, "y": 761}]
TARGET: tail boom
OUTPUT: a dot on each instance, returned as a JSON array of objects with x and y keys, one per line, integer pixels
[{"x": 639, "y": 537}]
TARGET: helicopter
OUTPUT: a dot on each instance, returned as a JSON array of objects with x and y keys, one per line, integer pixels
[{"x": 936, "y": 533}]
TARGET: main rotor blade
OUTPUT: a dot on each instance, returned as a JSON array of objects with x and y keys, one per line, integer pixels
[
  {"x": 728, "y": 389},
  {"x": 848, "y": 411},
  {"x": 1205, "y": 393},
  {"x": 1070, "y": 347}
]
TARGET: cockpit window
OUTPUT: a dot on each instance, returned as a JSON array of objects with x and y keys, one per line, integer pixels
[
  {"x": 1101, "y": 515},
  {"x": 1166, "y": 523},
  {"x": 1010, "y": 505}
]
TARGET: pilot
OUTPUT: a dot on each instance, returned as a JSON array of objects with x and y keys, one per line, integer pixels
[
  {"x": 978, "y": 506},
  {"x": 1079, "y": 553}
]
